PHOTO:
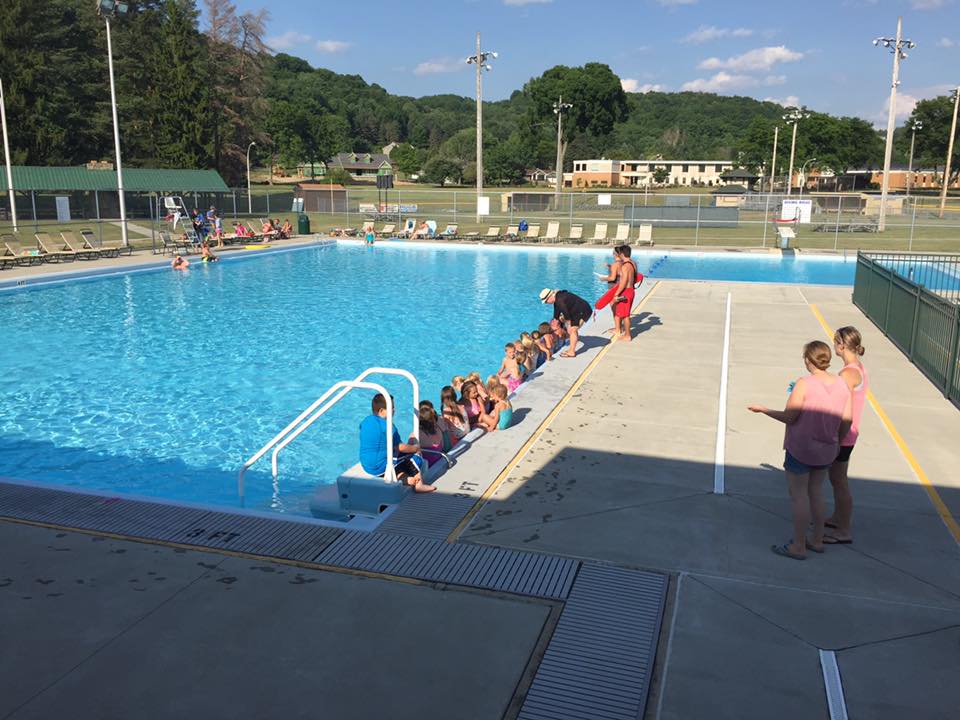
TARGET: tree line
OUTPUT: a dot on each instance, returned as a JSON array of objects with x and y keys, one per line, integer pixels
[{"x": 196, "y": 97}]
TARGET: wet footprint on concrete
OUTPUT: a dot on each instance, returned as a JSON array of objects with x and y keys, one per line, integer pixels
[{"x": 299, "y": 579}]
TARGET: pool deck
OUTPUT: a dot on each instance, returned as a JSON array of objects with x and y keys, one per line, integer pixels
[{"x": 620, "y": 473}]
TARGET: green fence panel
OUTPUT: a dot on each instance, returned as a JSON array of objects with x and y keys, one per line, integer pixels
[
  {"x": 903, "y": 300},
  {"x": 877, "y": 298},
  {"x": 935, "y": 335},
  {"x": 861, "y": 283},
  {"x": 954, "y": 389}
]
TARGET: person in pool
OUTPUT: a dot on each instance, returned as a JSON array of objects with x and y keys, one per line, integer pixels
[
  {"x": 180, "y": 263},
  {"x": 207, "y": 254},
  {"x": 570, "y": 310},
  {"x": 373, "y": 449}
]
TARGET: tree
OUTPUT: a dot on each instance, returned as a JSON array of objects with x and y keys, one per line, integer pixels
[
  {"x": 409, "y": 160},
  {"x": 661, "y": 175},
  {"x": 339, "y": 176},
  {"x": 936, "y": 114},
  {"x": 506, "y": 162},
  {"x": 440, "y": 169},
  {"x": 593, "y": 90}
]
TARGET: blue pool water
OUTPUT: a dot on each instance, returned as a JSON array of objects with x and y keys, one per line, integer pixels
[{"x": 163, "y": 383}]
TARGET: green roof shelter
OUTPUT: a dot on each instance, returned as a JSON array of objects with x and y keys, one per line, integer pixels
[{"x": 160, "y": 180}]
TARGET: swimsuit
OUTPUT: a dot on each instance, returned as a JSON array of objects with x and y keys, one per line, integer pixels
[{"x": 506, "y": 416}]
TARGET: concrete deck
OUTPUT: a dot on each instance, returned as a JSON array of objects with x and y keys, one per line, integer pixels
[
  {"x": 625, "y": 474},
  {"x": 98, "y": 628}
]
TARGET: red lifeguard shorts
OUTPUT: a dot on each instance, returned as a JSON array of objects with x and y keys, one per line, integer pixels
[{"x": 622, "y": 309}]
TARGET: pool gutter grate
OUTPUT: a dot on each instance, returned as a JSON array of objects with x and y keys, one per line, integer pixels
[{"x": 600, "y": 658}]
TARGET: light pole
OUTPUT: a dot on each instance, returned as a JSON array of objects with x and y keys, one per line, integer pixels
[
  {"x": 106, "y": 9},
  {"x": 946, "y": 169},
  {"x": 914, "y": 126},
  {"x": 803, "y": 174},
  {"x": 6, "y": 155},
  {"x": 480, "y": 60},
  {"x": 793, "y": 118},
  {"x": 773, "y": 164},
  {"x": 558, "y": 108},
  {"x": 896, "y": 46},
  {"x": 249, "y": 196}
]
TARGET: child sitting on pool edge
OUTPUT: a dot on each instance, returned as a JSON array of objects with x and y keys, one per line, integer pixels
[
  {"x": 373, "y": 449},
  {"x": 502, "y": 411}
]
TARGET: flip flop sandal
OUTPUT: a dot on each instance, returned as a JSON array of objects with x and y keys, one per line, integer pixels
[
  {"x": 784, "y": 550},
  {"x": 831, "y": 540},
  {"x": 830, "y": 525},
  {"x": 811, "y": 548}
]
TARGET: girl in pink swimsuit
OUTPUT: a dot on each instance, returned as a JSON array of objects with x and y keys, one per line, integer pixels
[
  {"x": 847, "y": 344},
  {"x": 818, "y": 414}
]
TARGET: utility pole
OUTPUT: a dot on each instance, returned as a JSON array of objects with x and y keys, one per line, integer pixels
[
  {"x": 106, "y": 8},
  {"x": 914, "y": 126},
  {"x": 480, "y": 60},
  {"x": 558, "y": 108},
  {"x": 946, "y": 170},
  {"x": 773, "y": 164},
  {"x": 895, "y": 45},
  {"x": 7, "y": 159},
  {"x": 793, "y": 118}
]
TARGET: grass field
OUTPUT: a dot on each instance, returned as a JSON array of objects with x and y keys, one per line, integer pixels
[{"x": 918, "y": 228}]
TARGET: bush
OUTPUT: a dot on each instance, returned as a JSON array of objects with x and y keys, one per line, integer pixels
[{"x": 339, "y": 176}]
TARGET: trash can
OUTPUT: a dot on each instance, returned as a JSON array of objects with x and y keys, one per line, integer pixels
[{"x": 303, "y": 224}]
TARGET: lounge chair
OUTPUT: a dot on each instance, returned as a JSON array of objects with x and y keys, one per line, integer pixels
[
  {"x": 174, "y": 244},
  {"x": 553, "y": 232},
  {"x": 533, "y": 233},
  {"x": 14, "y": 252},
  {"x": 576, "y": 234},
  {"x": 450, "y": 232},
  {"x": 512, "y": 234},
  {"x": 52, "y": 250},
  {"x": 388, "y": 229},
  {"x": 408, "y": 228},
  {"x": 623, "y": 233},
  {"x": 79, "y": 246},
  {"x": 493, "y": 234},
  {"x": 108, "y": 248},
  {"x": 600, "y": 233},
  {"x": 645, "y": 235}
]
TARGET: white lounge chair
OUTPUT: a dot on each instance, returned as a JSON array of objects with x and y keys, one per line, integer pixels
[
  {"x": 600, "y": 233},
  {"x": 533, "y": 233},
  {"x": 576, "y": 233},
  {"x": 553, "y": 232},
  {"x": 408, "y": 227},
  {"x": 512, "y": 234},
  {"x": 450, "y": 232},
  {"x": 645, "y": 235},
  {"x": 493, "y": 234},
  {"x": 387, "y": 229},
  {"x": 623, "y": 233}
]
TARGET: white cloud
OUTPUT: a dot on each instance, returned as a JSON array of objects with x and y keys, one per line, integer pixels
[
  {"x": 331, "y": 46},
  {"x": 632, "y": 85},
  {"x": 759, "y": 59},
  {"x": 788, "y": 101},
  {"x": 726, "y": 82},
  {"x": 706, "y": 33},
  {"x": 905, "y": 105},
  {"x": 288, "y": 40},
  {"x": 440, "y": 65},
  {"x": 521, "y": 3},
  {"x": 720, "y": 82},
  {"x": 927, "y": 4},
  {"x": 945, "y": 42}
]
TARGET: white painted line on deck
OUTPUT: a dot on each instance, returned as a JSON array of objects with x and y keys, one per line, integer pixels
[
  {"x": 666, "y": 657},
  {"x": 719, "y": 458},
  {"x": 831, "y": 683},
  {"x": 803, "y": 296}
]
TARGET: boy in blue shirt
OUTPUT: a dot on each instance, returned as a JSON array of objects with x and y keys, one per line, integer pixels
[{"x": 373, "y": 449}]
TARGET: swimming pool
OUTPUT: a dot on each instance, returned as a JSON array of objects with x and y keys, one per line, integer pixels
[{"x": 163, "y": 383}]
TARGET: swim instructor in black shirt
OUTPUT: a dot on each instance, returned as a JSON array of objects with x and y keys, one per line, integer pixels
[{"x": 572, "y": 310}]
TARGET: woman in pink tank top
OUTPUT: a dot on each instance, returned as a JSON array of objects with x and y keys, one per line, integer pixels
[
  {"x": 818, "y": 414},
  {"x": 847, "y": 344}
]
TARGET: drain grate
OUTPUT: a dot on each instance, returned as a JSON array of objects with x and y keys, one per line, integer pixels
[
  {"x": 600, "y": 658},
  {"x": 430, "y": 516},
  {"x": 479, "y": 566}
]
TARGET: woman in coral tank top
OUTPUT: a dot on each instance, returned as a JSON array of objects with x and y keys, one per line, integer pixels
[
  {"x": 818, "y": 414},
  {"x": 847, "y": 345}
]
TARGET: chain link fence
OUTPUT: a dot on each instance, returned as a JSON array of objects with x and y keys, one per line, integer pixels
[{"x": 708, "y": 219}]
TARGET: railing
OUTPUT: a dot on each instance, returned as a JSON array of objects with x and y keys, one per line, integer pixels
[
  {"x": 321, "y": 405},
  {"x": 915, "y": 300}
]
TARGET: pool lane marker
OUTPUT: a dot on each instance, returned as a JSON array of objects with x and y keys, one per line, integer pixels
[
  {"x": 836, "y": 703},
  {"x": 941, "y": 507},
  {"x": 494, "y": 486},
  {"x": 719, "y": 459}
]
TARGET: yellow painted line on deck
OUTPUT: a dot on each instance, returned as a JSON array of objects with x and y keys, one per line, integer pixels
[
  {"x": 492, "y": 488},
  {"x": 942, "y": 510}
]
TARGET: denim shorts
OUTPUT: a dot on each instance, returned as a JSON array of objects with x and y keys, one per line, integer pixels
[{"x": 792, "y": 465}]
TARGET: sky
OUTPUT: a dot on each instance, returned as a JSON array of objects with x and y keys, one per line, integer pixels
[{"x": 817, "y": 53}]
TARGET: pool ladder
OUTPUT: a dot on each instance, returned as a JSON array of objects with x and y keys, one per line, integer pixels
[{"x": 321, "y": 405}]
